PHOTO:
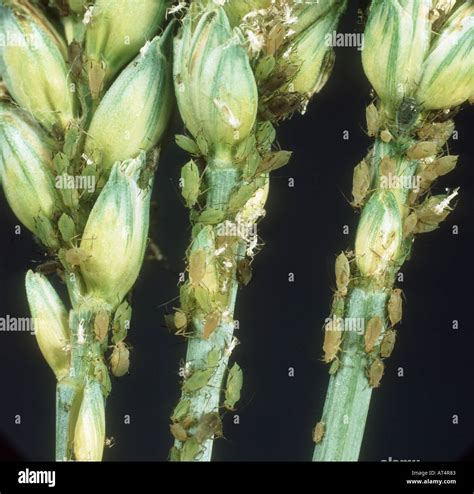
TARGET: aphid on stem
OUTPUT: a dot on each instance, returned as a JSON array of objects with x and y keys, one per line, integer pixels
[
  {"x": 376, "y": 371},
  {"x": 319, "y": 431}
]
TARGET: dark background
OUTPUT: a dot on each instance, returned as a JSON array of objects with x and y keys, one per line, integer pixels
[{"x": 280, "y": 322}]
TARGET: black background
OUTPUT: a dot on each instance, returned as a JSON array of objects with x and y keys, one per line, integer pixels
[{"x": 280, "y": 322}]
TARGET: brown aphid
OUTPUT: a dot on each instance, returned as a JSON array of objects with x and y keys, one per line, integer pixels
[
  {"x": 409, "y": 224},
  {"x": 386, "y": 136},
  {"x": 244, "y": 271},
  {"x": 180, "y": 321},
  {"x": 211, "y": 324},
  {"x": 438, "y": 132},
  {"x": 188, "y": 421},
  {"x": 197, "y": 266},
  {"x": 281, "y": 106},
  {"x": 388, "y": 343},
  {"x": 387, "y": 166},
  {"x": 209, "y": 425},
  {"x": 375, "y": 373},
  {"x": 101, "y": 325},
  {"x": 318, "y": 432},
  {"x": 394, "y": 306},
  {"x": 343, "y": 274},
  {"x": 120, "y": 359},
  {"x": 373, "y": 120},
  {"x": 332, "y": 343},
  {"x": 76, "y": 256},
  {"x": 48, "y": 267},
  {"x": 372, "y": 333},
  {"x": 178, "y": 432},
  {"x": 422, "y": 149},
  {"x": 360, "y": 184}
]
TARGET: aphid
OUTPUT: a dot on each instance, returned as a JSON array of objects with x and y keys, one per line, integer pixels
[
  {"x": 387, "y": 166},
  {"x": 48, "y": 267},
  {"x": 386, "y": 136},
  {"x": 273, "y": 160},
  {"x": 332, "y": 344},
  {"x": 337, "y": 306},
  {"x": 373, "y": 120},
  {"x": 190, "y": 183},
  {"x": 188, "y": 145},
  {"x": 422, "y": 149},
  {"x": 375, "y": 373},
  {"x": 388, "y": 342},
  {"x": 212, "y": 322},
  {"x": 147, "y": 173},
  {"x": 233, "y": 387},
  {"x": 109, "y": 442},
  {"x": 191, "y": 448},
  {"x": 318, "y": 432},
  {"x": 97, "y": 71},
  {"x": 445, "y": 164},
  {"x": 76, "y": 256},
  {"x": 102, "y": 376},
  {"x": 394, "y": 306},
  {"x": 197, "y": 266},
  {"x": 178, "y": 432},
  {"x": 203, "y": 299},
  {"x": 187, "y": 422},
  {"x": 409, "y": 224},
  {"x": 407, "y": 114},
  {"x": 197, "y": 380},
  {"x": 274, "y": 39},
  {"x": 438, "y": 132},
  {"x": 372, "y": 333},
  {"x": 181, "y": 410},
  {"x": 213, "y": 357},
  {"x": 244, "y": 271},
  {"x": 120, "y": 359},
  {"x": 334, "y": 367},
  {"x": 360, "y": 184},
  {"x": 101, "y": 325},
  {"x": 211, "y": 216},
  {"x": 67, "y": 228},
  {"x": 75, "y": 58},
  {"x": 209, "y": 425},
  {"x": 343, "y": 274},
  {"x": 280, "y": 106}
]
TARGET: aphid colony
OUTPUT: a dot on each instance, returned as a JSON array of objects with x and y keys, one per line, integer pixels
[
  {"x": 191, "y": 431},
  {"x": 378, "y": 341}
]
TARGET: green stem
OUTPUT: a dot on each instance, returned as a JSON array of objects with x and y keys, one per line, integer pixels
[
  {"x": 222, "y": 179},
  {"x": 348, "y": 396},
  {"x": 70, "y": 389}
]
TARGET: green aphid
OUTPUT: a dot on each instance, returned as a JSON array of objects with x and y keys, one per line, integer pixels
[
  {"x": 210, "y": 425},
  {"x": 101, "y": 374},
  {"x": 202, "y": 144},
  {"x": 61, "y": 163},
  {"x": 188, "y": 144},
  {"x": 245, "y": 148},
  {"x": 72, "y": 140},
  {"x": 191, "y": 448},
  {"x": 186, "y": 299},
  {"x": 121, "y": 322},
  {"x": 211, "y": 216},
  {"x": 197, "y": 227},
  {"x": 334, "y": 367},
  {"x": 197, "y": 266},
  {"x": 101, "y": 325},
  {"x": 175, "y": 454},
  {"x": 337, "y": 308},
  {"x": 213, "y": 357},
  {"x": 45, "y": 231},
  {"x": 66, "y": 228},
  {"x": 197, "y": 380},
  {"x": 233, "y": 386},
  {"x": 190, "y": 183},
  {"x": 203, "y": 299},
  {"x": 180, "y": 411},
  {"x": 252, "y": 163},
  {"x": 241, "y": 196},
  {"x": 69, "y": 196},
  {"x": 264, "y": 68},
  {"x": 266, "y": 135}
]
